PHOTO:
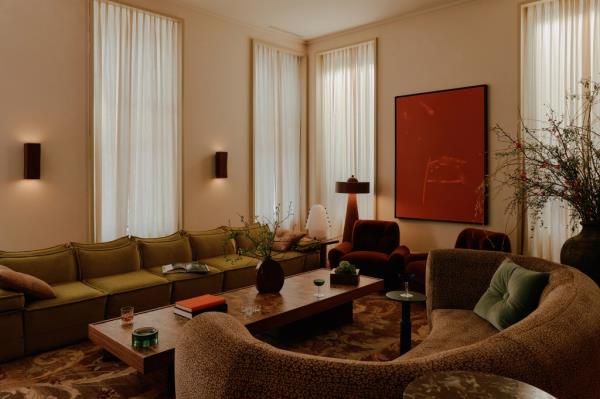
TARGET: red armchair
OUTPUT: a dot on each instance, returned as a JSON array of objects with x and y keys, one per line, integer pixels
[
  {"x": 374, "y": 249},
  {"x": 478, "y": 239}
]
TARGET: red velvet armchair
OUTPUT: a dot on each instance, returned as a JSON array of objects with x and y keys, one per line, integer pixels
[
  {"x": 484, "y": 240},
  {"x": 374, "y": 249}
]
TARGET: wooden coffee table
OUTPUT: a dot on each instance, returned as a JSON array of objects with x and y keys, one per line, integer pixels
[{"x": 295, "y": 302}]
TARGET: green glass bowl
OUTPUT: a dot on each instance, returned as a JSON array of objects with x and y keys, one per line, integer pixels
[{"x": 144, "y": 337}]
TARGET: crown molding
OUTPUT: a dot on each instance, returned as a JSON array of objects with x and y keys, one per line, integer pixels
[{"x": 386, "y": 21}]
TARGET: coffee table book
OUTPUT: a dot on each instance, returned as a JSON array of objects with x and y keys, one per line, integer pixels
[{"x": 194, "y": 306}]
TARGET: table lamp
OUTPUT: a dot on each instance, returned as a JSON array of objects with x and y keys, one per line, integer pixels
[{"x": 351, "y": 187}]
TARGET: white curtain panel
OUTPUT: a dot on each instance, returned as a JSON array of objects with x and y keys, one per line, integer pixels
[
  {"x": 559, "y": 49},
  {"x": 137, "y": 61},
  {"x": 277, "y": 133},
  {"x": 345, "y": 128}
]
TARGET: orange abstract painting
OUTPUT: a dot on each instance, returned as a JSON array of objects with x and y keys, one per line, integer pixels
[{"x": 441, "y": 162}]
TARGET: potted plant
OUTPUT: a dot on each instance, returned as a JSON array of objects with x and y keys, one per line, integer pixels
[
  {"x": 346, "y": 274},
  {"x": 261, "y": 233},
  {"x": 560, "y": 161}
]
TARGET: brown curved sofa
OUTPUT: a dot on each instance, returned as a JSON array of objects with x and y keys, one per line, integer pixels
[{"x": 556, "y": 348}]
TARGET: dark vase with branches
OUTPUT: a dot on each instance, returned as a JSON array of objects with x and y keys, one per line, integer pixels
[
  {"x": 560, "y": 161},
  {"x": 261, "y": 233}
]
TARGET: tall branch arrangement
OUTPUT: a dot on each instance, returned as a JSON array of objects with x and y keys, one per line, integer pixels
[
  {"x": 560, "y": 160},
  {"x": 261, "y": 232}
]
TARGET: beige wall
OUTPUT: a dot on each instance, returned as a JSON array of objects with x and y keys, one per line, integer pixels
[
  {"x": 43, "y": 98},
  {"x": 473, "y": 43}
]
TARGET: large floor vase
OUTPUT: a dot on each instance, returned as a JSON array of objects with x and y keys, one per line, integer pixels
[
  {"x": 583, "y": 251},
  {"x": 269, "y": 276}
]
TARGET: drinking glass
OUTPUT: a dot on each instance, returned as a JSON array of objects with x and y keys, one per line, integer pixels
[
  {"x": 319, "y": 283},
  {"x": 127, "y": 315},
  {"x": 406, "y": 293}
]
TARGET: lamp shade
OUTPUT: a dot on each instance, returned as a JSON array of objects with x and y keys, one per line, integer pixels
[
  {"x": 318, "y": 222},
  {"x": 352, "y": 186}
]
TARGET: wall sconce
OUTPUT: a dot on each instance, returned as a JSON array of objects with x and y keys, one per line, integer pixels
[
  {"x": 32, "y": 162},
  {"x": 220, "y": 165}
]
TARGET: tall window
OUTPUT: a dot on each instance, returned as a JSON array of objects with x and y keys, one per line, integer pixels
[
  {"x": 345, "y": 127},
  {"x": 560, "y": 47},
  {"x": 137, "y": 124},
  {"x": 277, "y": 133}
]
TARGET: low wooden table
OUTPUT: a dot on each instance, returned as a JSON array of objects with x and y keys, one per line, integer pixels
[{"x": 295, "y": 302}]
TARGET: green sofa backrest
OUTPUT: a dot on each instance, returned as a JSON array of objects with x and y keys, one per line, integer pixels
[
  {"x": 100, "y": 260},
  {"x": 165, "y": 250},
  {"x": 53, "y": 265}
]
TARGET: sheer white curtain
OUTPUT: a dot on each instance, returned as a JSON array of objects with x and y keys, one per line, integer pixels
[
  {"x": 345, "y": 127},
  {"x": 559, "y": 49},
  {"x": 137, "y": 72},
  {"x": 277, "y": 133}
]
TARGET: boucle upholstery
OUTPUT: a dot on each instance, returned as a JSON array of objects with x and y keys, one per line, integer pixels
[{"x": 556, "y": 348}]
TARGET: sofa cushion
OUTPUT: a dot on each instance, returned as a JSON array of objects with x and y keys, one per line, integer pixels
[
  {"x": 141, "y": 289},
  {"x": 188, "y": 285},
  {"x": 124, "y": 282},
  {"x": 119, "y": 242},
  {"x": 239, "y": 271},
  {"x": 102, "y": 261},
  {"x": 246, "y": 236},
  {"x": 452, "y": 328},
  {"x": 514, "y": 292},
  {"x": 25, "y": 283},
  {"x": 165, "y": 250},
  {"x": 284, "y": 239},
  {"x": 66, "y": 293},
  {"x": 307, "y": 244},
  {"x": 51, "y": 323},
  {"x": 53, "y": 265},
  {"x": 292, "y": 262},
  {"x": 211, "y": 243},
  {"x": 10, "y": 300}
]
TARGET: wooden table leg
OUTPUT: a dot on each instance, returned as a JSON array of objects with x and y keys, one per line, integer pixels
[{"x": 405, "y": 326}]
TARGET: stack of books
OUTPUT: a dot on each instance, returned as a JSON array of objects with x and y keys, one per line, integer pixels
[{"x": 192, "y": 307}]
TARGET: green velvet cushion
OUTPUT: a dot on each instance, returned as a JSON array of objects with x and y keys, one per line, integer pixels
[
  {"x": 165, "y": 250},
  {"x": 119, "y": 242},
  {"x": 100, "y": 262},
  {"x": 53, "y": 265},
  {"x": 206, "y": 244},
  {"x": 513, "y": 294},
  {"x": 115, "y": 284}
]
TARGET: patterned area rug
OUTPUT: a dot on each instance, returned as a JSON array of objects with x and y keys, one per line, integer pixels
[{"x": 78, "y": 371}]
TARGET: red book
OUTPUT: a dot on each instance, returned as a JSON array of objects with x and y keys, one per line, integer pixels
[{"x": 199, "y": 303}]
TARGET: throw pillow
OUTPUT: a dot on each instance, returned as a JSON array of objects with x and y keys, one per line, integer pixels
[
  {"x": 513, "y": 294},
  {"x": 25, "y": 283},
  {"x": 284, "y": 239}
]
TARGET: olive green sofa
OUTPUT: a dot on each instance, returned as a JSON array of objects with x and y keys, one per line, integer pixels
[
  {"x": 556, "y": 347},
  {"x": 93, "y": 281}
]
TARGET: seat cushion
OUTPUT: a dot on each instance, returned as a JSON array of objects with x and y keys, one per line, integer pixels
[
  {"x": 125, "y": 282},
  {"x": 165, "y": 250},
  {"x": 239, "y": 271},
  {"x": 141, "y": 289},
  {"x": 10, "y": 300},
  {"x": 103, "y": 261},
  {"x": 188, "y": 285},
  {"x": 53, "y": 265},
  {"x": 292, "y": 262},
  {"x": 418, "y": 268},
  {"x": 452, "y": 328},
  {"x": 211, "y": 243},
  {"x": 51, "y": 323}
]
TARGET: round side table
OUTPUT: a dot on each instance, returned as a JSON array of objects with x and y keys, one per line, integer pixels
[
  {"x": 470, "y": 384},
  {"x": 405, "y": 323}
]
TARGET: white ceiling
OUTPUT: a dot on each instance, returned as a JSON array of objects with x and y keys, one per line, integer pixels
[{"x": 308, "y": 19}]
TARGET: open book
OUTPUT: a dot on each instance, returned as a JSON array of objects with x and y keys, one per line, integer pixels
[{"x": 185, "y": 267}]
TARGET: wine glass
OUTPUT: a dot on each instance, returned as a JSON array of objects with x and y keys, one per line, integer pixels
[{"x": 318, "y": 282}]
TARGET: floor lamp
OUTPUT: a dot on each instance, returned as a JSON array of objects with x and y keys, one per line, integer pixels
[{"x": 351, "y": 187}]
